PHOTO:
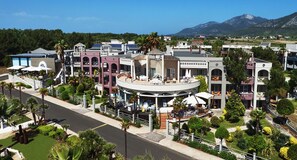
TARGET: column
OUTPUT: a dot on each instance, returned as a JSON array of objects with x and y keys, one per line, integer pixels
[
  {"x": 147, "y": 68},
  {"x": 125, "y": 96},
  {"x": 163, "y": 68},
  {"x": 138, "y": 99},
  {"x": 255, "y": 89},
  {"x": 178, "y": 70}
]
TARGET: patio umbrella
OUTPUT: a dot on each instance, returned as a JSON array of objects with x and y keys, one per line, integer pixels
[
  {"x": 192, "y": 100},
  {"x": 204, "y": 95},
  {"x": 170, "y": 103}
]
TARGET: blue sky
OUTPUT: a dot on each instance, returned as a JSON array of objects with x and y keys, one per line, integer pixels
[{"x": 134, "y": 16}]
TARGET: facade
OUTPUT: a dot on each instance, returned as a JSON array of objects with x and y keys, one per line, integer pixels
[{"x": 290, "y": 57}]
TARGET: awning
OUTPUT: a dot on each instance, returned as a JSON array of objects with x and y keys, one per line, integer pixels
[
  {"x": 32, "y": 69},
  {"x": 16, "y": 67},
  {"x": 204, "y": 95},
  {"x": 192, "y": 100},
  {"x": 170, "y": 103}
]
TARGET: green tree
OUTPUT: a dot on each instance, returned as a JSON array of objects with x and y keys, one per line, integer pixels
[
  {"x": 20, "y": 85},
  {"x": 268, "y": 150},
  {"x": 32, "y": 106},
  {"x": 196, "y": 125},
  {"x": 133, "y": 99},
  {"x": 178, "y": 110},
  {"x": 221, "y": 133},
  {"x": 292, "y": 152},
  {"x": 285, "y": 107},
  {"x": 235, "y": 64},
  {"x": 9, "y": 109},
  {"x": 2, "y": 84},
  {"x": 257, "y": 115},
  {"x": 125, "y": 124},
  {"x": 257, "y": 143},
  {"x": 293, "y": 80},
  {"x": 43, "y": 92},
  {"x": 234, "y": 107},
  {"x": 203, "y": 85},
  {"x": 60, "y": 47},
  {"x": 276, "y": 86},
  {"x": 143, "y": 43},
  {"x": 10, "y": 86}
]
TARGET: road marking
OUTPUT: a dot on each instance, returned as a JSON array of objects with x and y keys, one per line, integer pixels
[{"x": 99, "y": 126}]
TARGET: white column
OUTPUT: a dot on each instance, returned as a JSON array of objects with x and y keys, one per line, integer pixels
[
  {"x": 138, "y": 99},
  {"x": 147, "y": 68},
  {"x": 255, "y": 88},
  {"x": 125, "y": 96},
  {"x": 286, "y": 57},
  {"x": 178, "y": 70},
  {"x": 163, "y": 68}
]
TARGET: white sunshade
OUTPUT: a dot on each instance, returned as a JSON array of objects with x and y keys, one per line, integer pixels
[
  {"x": 16, "y": 67},
  {"x": 204, "y": 95},
  {"x": 32, "y": 68},
  {"x": 192, "y": 100},
  {"x": 170, "y": 103}
]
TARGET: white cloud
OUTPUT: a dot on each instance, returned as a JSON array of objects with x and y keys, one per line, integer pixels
[{"x": 27, "y": 15}]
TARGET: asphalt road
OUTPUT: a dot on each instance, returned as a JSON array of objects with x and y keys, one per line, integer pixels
[{"x": 78, "y": 122}]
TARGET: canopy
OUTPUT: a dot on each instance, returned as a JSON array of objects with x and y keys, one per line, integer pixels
[
  {"x": 204, "y": 95},
  {"x": 192, "y": 100},
  {"x": 32, "y": 68},
  {"x": 16, "y": 67},
  {"x": 170, "y": 103}
]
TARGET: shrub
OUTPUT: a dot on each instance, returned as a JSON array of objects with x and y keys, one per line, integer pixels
[
  {"x": 175, "y": 137},
  {"x": 80, "y": 89},
  {"x": 52, "y": 134},
  {"x": 185, "y": 127},
  {"x": 73, "y": 140},
  {"x": 97, "y": 110},
  {"x": 215, "y": 121},
  {"x": 229, "y": 138},
  {"x": 238, "y": 128},
  {"x": 293, "y": 140},
  {"x": 224, "y": 112},
  {"x": 283, "y": 152},
  {"x": 242, "y": 143},
  {"x": 227, "y": 155},
  {"x": 61, "y": 89},
  {"x": 285, "y": 107},
  {"x": 46, "y": 129},
  {"x": 65, "y": 95},
  {"x": 137, "y": 124},
  {"x": 292, "y": 152},
  {"x": 280, "y": 140},
  {"x": 267, "y": 131},
  {"x": 222, "y": 118},
  {"x": 28, "y": 86}
]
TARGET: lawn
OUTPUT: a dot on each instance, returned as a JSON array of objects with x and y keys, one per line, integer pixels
[
  {"x": 22, "y": 119},
  {"x": 209, "y": 137},
  {"x": 228, "y": 124},
  {"x": 37, "y": 148}
]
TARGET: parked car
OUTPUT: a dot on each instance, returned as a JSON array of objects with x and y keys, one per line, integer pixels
[{"x": 224, "y": 148}]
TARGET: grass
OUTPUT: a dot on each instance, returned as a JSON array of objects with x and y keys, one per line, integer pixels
[
  {"x": 23, "y": 119},
  {"x": 265, "y": 123},
  {"x": 228, "y": 124},
  {"x": 38, "y": 147},
  {"x": 209, "y": 137}
]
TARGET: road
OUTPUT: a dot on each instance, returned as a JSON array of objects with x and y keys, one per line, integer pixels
[{"x": 79, "y": 122}]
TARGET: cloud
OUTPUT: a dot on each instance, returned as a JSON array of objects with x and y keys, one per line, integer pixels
[
  {"x": 27, "y": 15},
  {"x": 79, "y": 19}
]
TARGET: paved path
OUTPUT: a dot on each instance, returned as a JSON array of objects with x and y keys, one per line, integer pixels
[{"x": 140, "y": 140}]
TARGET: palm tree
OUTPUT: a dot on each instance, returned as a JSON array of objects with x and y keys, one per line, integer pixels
[
  {"x": 10, "y": 86},
  {"x": 2, "y": 84},
  {"x": 9, "y": 109},
  {"x": 153, "y": 40},
  {"x": 257, "y": 115},
  {"x": 115, "y": 91},
  {"x": 73, "y": 82},
  {"x": 133, "y": 99},
  {"x": 32, "y": 106},
  {"x": 142, "y": 42},
  {"x": 178, "y": 110},
  {"x": 125, "y": 124},
  {"x": 43, "y": 92},
  {"x": 51, "y": 81},
  {"x": 20, "y": 85},
  {"x": 60, "y": 47}
]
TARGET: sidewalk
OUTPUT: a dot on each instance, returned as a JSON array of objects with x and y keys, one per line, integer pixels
[{"x": 157, "y": 136}]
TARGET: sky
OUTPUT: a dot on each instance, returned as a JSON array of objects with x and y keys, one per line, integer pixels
[{"x": 133, "y": 16}]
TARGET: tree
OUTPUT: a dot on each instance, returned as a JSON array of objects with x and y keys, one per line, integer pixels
[
  {"x": 60, "y": 47},
  {"x": 234, "y": 107},
  {"x": 32, "y": 106},
  {"x": 277, "y": 85},
  {"x": 268, "y": 150},
  {"x": 203, "y": 85},
  {"x": 9, "y": 109},
  {"x": 133, "y": 99},
  {"x": 178, "y": 110},
  {"x": 292, "y": 152},
  {"x": 94, "y": 146},
  {"x": 20, "y": 85},
  {"x": 257, "y": 115},
  {"x": 43, "y": 92},
  {"x": 125, "y": 124},
  {"x": 2, "y": 84},
  {"x": 221, "y": 133},
  {"x": 285, "y": 107},
  {"x": 10, "y": 86},
  {"x": 293, "y": 80},
  {"x": 143, "y": 43},
  {"x": 257, "y": 143},
  {"x": 235, "y": 64}
]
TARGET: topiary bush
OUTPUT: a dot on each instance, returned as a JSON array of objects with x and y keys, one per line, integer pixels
[
  {"x": 46, "y": 129},
  {"x": 267, "y": 130},
  {"x": 215, "y": 121},
  {"x": 64, "y": 96},
  {"x": 230, "y": 138},
  {"x": 292, "y": 152},
  {"x": 293, "y": 140},
  {"x": 283, "y": 152},
  {"x": 242, "y": 143}
]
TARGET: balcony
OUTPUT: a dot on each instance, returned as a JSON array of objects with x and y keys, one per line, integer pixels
[
  {"x": 216, "y": 78},
  {"x": 250, "y": 65},
  {"x": 154, "y": 85},
  {"x": 262, "y": 78},
  {"x": 216, "y": 93},
  {"x": 246, "y": 95},
  {"x": 76, "y": 54},
  {"x": 86, "y": 63},
  {"x": 261, "y": 95},
  {"x": 76, "y": 64},
  {"x": 95, "y": 63},
  {"x": 249, "y": 80}
]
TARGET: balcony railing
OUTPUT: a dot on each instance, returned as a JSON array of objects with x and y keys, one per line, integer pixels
[
  {"x": 246, "y": 95},
  {"x": 262, "y": 78},
  {"x": 216, "y": 78},
  {"x": 94, "y": 63},
  {"x": 86, "y": 63}
]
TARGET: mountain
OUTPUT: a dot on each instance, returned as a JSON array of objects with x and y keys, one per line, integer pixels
[{"x": 245, "y": 24}]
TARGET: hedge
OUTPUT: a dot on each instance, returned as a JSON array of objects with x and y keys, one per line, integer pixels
[{"x": 45, "y": 130}]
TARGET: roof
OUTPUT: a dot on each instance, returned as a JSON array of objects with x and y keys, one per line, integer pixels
[
  {"x": 116, "y": 46},
  {"x": 41, "y": 50},
  {"x": 132, "y": 46},
  {"x": 155, "y": 51},
  {"x": 188, "y": 53},
  {"x": 35, "y": 55},
  {"x": 257, "y": 60},
  {"x": 96, "y": 46}
]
